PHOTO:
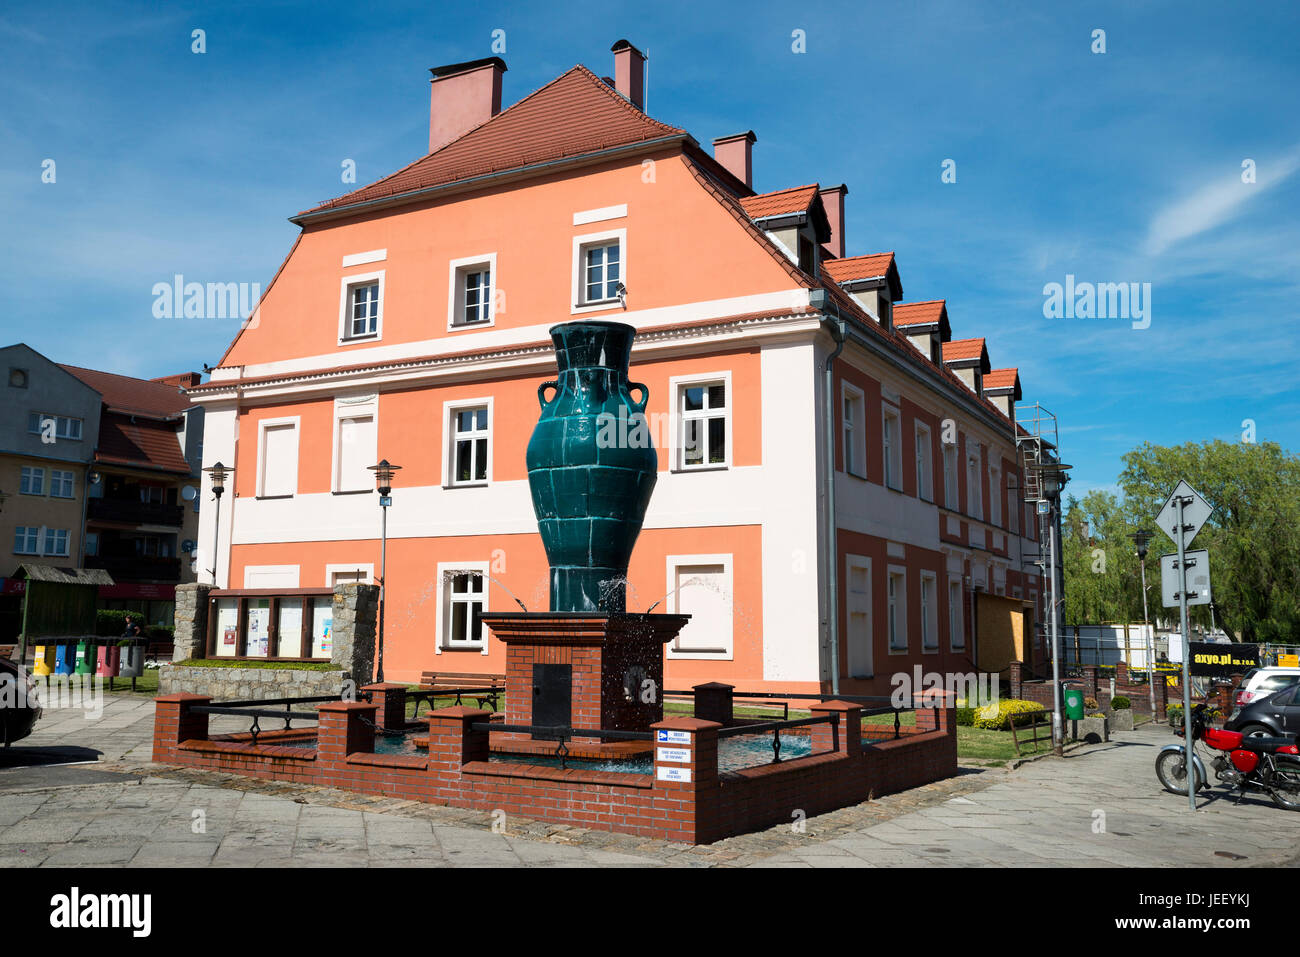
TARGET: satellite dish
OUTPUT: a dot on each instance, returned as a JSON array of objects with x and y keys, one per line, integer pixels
[{"x": 188, "y": 493}]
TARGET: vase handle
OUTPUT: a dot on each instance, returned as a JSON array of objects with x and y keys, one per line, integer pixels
[
  {"x": 552, "y": 384},
  {"x": 645, "y": 394}
]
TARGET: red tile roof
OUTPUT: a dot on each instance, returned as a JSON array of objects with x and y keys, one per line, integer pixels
[
  {"x": 145, "y": 443},
  {"x": 123, "y": 393},
  {"x": 858, "y": 267},
  {"x": 963, "y": 349},
  {"x": 1001, "y": 379},
  {"x": 916, "y": 313},
  {"x": 575, "y": 113},
  {"x": 785, "y": 202}
]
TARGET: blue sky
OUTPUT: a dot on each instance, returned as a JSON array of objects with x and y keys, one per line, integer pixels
[{"x": 1116, "y": 167}]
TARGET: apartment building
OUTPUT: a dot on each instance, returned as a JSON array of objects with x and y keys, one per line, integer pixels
[{"x": 839, "y": 489}]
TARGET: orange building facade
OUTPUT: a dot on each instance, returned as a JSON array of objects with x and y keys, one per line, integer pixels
[{"x": 409, "y": 323}]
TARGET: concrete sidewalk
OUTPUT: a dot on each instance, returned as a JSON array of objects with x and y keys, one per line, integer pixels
[{"x": 1098, "y": 807}]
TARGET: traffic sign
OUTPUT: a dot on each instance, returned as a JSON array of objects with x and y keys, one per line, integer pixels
[
  {"x": 1195, "y": 513},
  {"x": 1198, "y": 578}
]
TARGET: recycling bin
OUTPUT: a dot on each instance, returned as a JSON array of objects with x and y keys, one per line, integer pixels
[
  {"x": 109, "y": 656},
  {"x": 1073, "y": 704},
  {"x": 44, "y": 663},
  {"x": 85, "y": 658},
  {"x": 131, "y": 661},
  {"x": 64, "y": 658}
]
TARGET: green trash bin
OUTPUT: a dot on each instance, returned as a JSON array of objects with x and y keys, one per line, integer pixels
[
  {"x": 85, "y": 658},
  {"x": 1073, "y": 704}
]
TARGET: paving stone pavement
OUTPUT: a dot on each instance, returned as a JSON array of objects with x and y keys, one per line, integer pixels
[{"x": 1098, "y": 807}]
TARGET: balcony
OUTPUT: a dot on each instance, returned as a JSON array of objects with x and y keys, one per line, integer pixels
[
  {"x": 134, "y": 512},
  {"x": 136, "y": 568}
]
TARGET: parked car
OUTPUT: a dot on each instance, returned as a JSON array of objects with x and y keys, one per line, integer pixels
[
  {"x": 19, "y": 705},
  {"x": 1262, "y": 682},
  {"x": 1275, "y": 714}
]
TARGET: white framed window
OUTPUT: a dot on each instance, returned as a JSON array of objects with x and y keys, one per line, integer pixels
[
  {"x": 56, "y": 541},
  {"x": 356, "y": 442},
  {"x": 950, "y": 477},
  {"x": 857, "y": 616},
  {"x": 361, "y": 307},
  {"x": 995, "y": 496},
  {"x": 701, "y": 421},
  {"x": 61, "y": 483},
  {"x": 152, "y": 494},
  {"x": 343, "y": 572},
  {"x": 26, "y": 540},
  {"x": 974, "y": 489},
  {"x": 855, "y": 430},
  {"x": 64, "y": 427},
  {"x": 277, "y": 458},
  {"x": 924, "y": 458},
  {"x": 929, "y": 612},
  {"x": 956, "y": 626},
  {"x": 599, "y": 269},
  {"x": 32, "y": 481},
  {"x": 462, "y": 599},
  {"x": 892, "y": 445},
  {"x": 471, "y": 284},
  {"x": 896, "y": 583},
  {"x": 700, "y": 586},
  {"x": 467, "y": 453}
]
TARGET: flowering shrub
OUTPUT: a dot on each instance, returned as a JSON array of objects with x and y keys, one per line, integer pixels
[{"x": 999, "y": 716}]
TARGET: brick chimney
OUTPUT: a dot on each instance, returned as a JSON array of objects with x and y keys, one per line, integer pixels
[
  {"x": 736, "y": 154},
  {"x": 629, "y": 72},
  {"x": 183, "y": 380},
  {"x": 833, "y": 200},
  {"x": 462, "y": 96}
]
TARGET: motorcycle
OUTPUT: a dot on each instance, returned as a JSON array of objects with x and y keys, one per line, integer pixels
[{"x": 1260, "y": 762}]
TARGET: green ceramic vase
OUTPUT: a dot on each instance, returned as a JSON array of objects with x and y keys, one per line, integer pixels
[{"x": 591, "y": 466}]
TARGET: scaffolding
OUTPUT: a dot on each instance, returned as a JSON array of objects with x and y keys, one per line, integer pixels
[{"x": 1036, "y": 443}]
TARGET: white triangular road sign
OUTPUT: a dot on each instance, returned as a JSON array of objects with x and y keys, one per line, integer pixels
[{"x": 1195, "y": 514}]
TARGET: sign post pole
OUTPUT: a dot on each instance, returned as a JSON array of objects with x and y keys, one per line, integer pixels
[{"x": 1188, "y": 766}]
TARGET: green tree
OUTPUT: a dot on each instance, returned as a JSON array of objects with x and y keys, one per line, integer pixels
[
  {"x": 1253, "y": 535},
  {"x": 1102, "y": 579}
]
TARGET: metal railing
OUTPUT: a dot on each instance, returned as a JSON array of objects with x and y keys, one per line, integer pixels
[
  {"x": 257, "y": 714},
  {"x": 776, "y": 727},
  {"x": 431, "y": 695},
  {"x": 562, "y": 733}
]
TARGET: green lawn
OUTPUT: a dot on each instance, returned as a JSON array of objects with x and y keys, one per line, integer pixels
[{"x": 146, "y": 685}]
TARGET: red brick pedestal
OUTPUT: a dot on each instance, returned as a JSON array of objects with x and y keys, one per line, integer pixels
[{"x": 585, "y": 671}]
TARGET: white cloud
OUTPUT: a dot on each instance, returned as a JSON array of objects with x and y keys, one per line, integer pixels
[{"x": 1214, "y": 203}]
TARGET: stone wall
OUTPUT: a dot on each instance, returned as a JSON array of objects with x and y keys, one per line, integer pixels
[
  {"x": 249, "y": 684},
  {"x": 356, "y": 614},
  {"x": 191, "y": 621}
]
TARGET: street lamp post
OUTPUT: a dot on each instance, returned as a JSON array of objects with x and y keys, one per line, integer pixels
[
  {"x": 217, "y": 473},
  {"x": 384, "y": 484},
  {"x": 1141, "y": 539},
  {"x": 1053, "y": 481}
]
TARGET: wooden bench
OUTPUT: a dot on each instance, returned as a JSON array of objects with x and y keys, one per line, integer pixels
[{"x": 462, "y": 681}]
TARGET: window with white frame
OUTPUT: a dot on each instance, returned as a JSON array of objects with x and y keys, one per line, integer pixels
[
  {"x": 361, "y": 307},
  {"x": 61, "y": 483},
  {"x": 64, "y": 427},
  {"x": 956, "y": 628},
  {"x": 950, "y": 476},
  {"x": 277, "y": 467},
  {"x": 152, "y": 494},
  {"x": 700, "y": 586},
  {"x": 857, "y": 616},
  {"x": 924, "y": 458},
  {"x": 464, "y": 600},
  {"x": 974, "y": 489},
  {"x": 897, "y": 585},
  {"x": 855, "y": 432},
  {"x": 472, "y": 291},
  {"x": 702, "y": 414},
  {"x": 56, "y": 541},
  {"x": 32, "y": 481},
  {"x": 602, "y": 265},
  {"x": 995, "y": 496},
  {"x": 892, "y": 444},
  {"x": 929, "y": 612},
  {"x": 354, "y": 443},
  {"x": 26, "y": 540},
  {"x": 470, "y": 434}
]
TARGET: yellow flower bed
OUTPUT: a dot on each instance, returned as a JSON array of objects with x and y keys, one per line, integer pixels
[{"x": 999, "y": 717}]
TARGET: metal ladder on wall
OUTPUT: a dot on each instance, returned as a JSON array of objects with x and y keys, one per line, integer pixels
[{"x": 1036, "y": 441}]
